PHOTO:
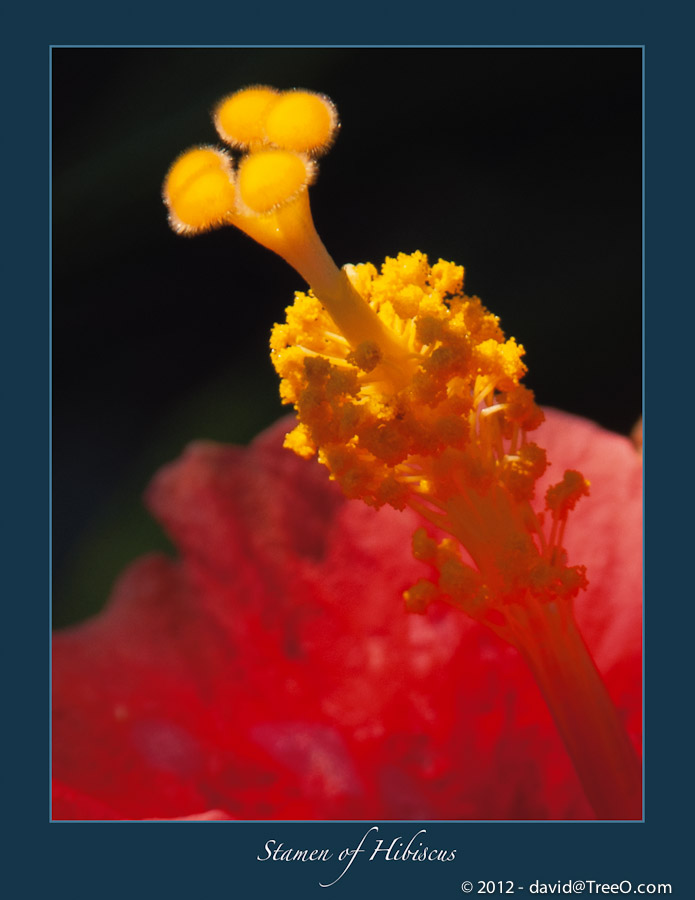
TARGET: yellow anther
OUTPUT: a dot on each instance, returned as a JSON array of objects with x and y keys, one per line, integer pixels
[
  {"x": 301, "y": 120},
  {"x": 420, "y": 596},
  {"x": 239, "y": 117},
  {"x": 366, "y": 356},
  {"x": 199, "y": 190},
  {"x": 270, "y": 178},
  {"x": 424, "y": 547},
  {"x": 562, "y": 497}
]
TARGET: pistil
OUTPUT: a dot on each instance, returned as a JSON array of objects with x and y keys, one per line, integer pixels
[{"x": 411, "y": 395}]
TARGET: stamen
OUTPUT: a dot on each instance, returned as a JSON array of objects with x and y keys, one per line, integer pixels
[{"x": 489, "y": 410}]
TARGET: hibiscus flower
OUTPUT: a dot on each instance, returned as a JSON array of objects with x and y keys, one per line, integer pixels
[{"x": 269, "y": 673}]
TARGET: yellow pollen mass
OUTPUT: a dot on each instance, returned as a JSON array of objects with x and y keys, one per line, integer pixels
[
  {"x": 239, "y": 118},
  {"x": 449, "y": 439}
]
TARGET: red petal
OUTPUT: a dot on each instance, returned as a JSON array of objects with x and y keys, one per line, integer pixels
[{"x": 272, "y": 673}]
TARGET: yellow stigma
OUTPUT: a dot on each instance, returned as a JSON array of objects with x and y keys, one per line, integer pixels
[
  {"x": 199, "y": 190},
  {"x": 289, "y": 120},
  {"x": 239, "y": 118},
  {"x": 270, "y": 178},
  {"x": 300, "y": 120},
  {"x": 405, "y": 387}
]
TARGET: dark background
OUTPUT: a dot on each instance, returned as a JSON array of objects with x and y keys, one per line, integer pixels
[{"x": 524, "y": 165}]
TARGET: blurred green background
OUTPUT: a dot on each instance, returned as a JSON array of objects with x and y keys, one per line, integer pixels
[{"x": 522, "y": 164}]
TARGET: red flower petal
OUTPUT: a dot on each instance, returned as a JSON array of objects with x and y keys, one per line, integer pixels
[
  {"x": 71, "y": 804},
  {"x": 272, "y": 672}
]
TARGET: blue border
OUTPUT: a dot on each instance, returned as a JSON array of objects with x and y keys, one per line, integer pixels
[{"x": 223, "y": 859}]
